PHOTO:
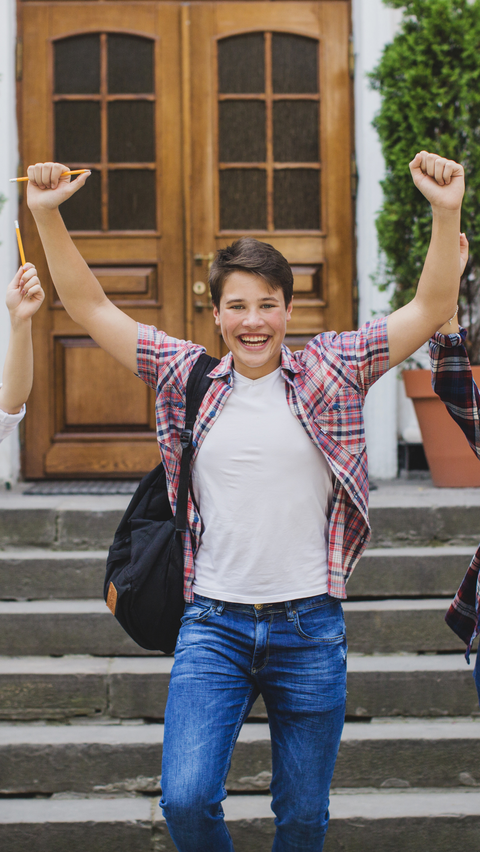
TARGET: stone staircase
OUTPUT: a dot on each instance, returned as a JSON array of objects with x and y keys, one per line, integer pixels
[{"x": 81, "y": 706}]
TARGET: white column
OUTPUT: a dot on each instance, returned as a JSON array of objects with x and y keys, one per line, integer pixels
[
  {"x": 374, "y": 26},
  {"x": 9, "y": 449}
]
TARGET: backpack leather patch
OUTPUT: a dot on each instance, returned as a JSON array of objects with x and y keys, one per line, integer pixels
[{"x": 112, "y": 598}]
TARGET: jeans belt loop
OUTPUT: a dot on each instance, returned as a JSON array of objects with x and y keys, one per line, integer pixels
[
  {"x": 219, "y": 607},
  {"x": 289, "y": 610}
]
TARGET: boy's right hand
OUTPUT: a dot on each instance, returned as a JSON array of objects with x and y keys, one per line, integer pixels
[{"x": 46, "y": 190}]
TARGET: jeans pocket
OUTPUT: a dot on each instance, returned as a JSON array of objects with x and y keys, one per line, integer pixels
[
  {"x": 324, "y": 623},
  {"x": 195, "y": 613}
]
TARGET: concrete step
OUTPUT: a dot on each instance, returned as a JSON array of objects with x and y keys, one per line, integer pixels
[
  {"x": 40, "y": 574},
  {"x": 136, "y": 688},
  {"x": 43, "y": 574},
  {"x": 402, "y": 514},
  {"x": 413, "y": 513},
  {"x": 402, "y": 572},
  {"x": 125, "y": 758},
  {"x": 394, "y": 625},
  {"x": 80, "y": 522},
  {"x": 88, "y": 627},
  {"x": 416, "y": 820}
]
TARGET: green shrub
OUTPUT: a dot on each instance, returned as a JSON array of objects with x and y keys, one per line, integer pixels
[{"x": 429, "y": 82}]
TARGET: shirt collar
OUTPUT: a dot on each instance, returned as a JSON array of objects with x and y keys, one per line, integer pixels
[
  {"x": 224, "y": 368},
  {"x": 288, "y": 363}
]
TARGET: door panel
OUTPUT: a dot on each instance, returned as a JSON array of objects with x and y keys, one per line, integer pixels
[
  {"x": 200, "y": 122},
  {"x": 106, "y": 95},
  {"x": 271, "y": 97}
]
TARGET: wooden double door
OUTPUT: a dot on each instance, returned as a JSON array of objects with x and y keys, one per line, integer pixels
[{"x": 200, "y": 122}]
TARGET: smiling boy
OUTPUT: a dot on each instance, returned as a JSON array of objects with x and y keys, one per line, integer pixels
[
  {"x": 252, "y": 321},
  {"x": 278, "y": 515}
]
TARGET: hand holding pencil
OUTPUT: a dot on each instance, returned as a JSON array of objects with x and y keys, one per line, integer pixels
[
  {"x": 24, "y": 294},
  {"x": 49, "y": 185},
  {"x": 74, "y": 172}
]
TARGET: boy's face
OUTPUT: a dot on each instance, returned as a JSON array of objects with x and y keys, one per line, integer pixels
[{"x": 253, "y": 321}]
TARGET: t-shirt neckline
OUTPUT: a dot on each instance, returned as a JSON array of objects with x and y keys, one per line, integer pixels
[{"x": 238, "y": 377}]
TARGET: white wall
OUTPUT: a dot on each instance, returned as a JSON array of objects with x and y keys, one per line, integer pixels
[
  {"x": 9, "y": 449},
  {"x": 373, "y": 26}
]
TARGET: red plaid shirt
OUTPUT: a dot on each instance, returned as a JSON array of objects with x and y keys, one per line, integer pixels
[
  {"x": 325, "y": 385},
  {"x": 452, "y": 380}
]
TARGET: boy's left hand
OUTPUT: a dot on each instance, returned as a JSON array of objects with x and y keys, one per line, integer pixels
[
  {"x": 24, "y": 293},
  {"x": 441, "y": 181}
]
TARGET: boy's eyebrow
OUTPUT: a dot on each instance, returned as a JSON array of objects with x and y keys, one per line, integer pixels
[{"x": 262, "y": 299}]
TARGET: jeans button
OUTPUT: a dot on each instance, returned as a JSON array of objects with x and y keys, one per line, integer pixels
[{"x": 258, "y": 606}]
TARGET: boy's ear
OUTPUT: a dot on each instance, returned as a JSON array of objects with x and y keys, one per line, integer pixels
[
  {"x": 289, "y": 310},
  {"x": 216, "y": 315}
]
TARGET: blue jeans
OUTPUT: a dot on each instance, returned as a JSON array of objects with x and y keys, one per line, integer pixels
[{"x": 294, "y": 654}]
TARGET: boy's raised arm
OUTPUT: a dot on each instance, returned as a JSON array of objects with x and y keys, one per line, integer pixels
[
  {"x": 442, "y": 183},
  {"x": 79, "y": 290}
]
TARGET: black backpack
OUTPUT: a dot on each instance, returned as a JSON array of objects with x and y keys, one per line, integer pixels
[{"x": 144, "y": 575}]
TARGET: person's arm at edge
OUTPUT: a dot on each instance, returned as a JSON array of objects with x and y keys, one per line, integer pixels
[
  {"x": 18, "y": 368},
  {"x": 24, "y": 297},
  {"x": 453, "y": 382},
  {"x": 442, "y": 183},
  {"x": 452, "y": 377},
  {"x": 80, "y": 292},
  {"x": 452, "y": 326}
]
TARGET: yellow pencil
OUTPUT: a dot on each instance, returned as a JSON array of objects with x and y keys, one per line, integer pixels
[
  {"x": 75, "y": 172},
  {"x": 20, "y": 244}
]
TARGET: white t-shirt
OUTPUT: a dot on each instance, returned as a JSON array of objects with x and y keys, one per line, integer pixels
[
  {"x": 8, "y": 422},
  {"x": 263, "y": 490}
]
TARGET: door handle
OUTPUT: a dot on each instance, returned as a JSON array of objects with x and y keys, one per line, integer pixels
[
  {"x": 202, "y": 258},
  {"x": 200, "y": 306},
  {"x": 199, "y": 287}
]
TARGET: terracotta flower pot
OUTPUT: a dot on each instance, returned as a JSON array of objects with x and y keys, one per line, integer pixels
[{"x": 451, "y": 461}]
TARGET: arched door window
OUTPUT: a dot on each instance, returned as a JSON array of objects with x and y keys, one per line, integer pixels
[
  {"x": 268, "y": 133},
  {"x": 104, "y": 120}
]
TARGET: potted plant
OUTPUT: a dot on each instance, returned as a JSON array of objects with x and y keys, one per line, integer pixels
[{"x": 428, "y": 79}]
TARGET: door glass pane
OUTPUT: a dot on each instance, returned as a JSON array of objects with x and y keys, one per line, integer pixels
[
  {"x": 241, "y": 64},
  {"x": 243, "y": 194},
  {"x": 130, "y": 64},
  {"x": 294, "y": 64},
  {"x": 131, "y": 200},
  {"x": 296, "y": 199},
  {"x": 242, "y": 131},
  {"x": 295, "y": 131},
  {"x": 77, "y": 65},
  {"x": 82, "y": 212},
  {"x": 131, "y": 136},
  {"x": 77, "y": 132}
]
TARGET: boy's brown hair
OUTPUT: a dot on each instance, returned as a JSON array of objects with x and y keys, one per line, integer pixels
[{"x": 250, "y": 255}]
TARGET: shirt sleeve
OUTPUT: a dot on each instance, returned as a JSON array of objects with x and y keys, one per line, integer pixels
[
  {"x": 8, "y": 422},
  {"x": 453, "y": 382},
  {"x": 160, "y": 356},
  {"x": 365, "y": 352}
]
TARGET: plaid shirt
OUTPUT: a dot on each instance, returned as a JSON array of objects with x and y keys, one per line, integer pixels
[
  {"x": 452, "y": 380},
  {"x": 325, "y": 385}
]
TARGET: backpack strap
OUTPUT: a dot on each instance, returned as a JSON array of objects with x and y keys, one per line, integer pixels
[{"x": 197, "y": 386}]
